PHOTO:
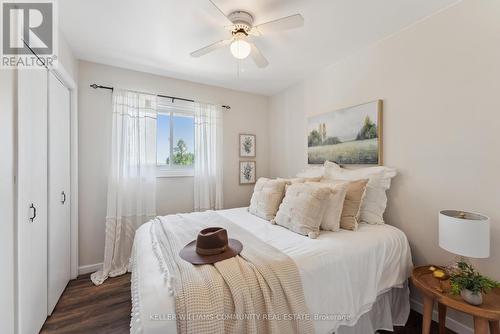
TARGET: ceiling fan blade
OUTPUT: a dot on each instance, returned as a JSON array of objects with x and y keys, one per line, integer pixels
[
  {"x": 220, "y": 11},
  {"x": 257, "y": 56},
  {"x": 254, "y": 32},
  {"x": 285, "y": 23},
  {"x": 209, "y": 48}
]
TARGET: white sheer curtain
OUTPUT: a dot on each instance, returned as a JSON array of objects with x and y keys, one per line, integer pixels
[
  {"x": 132, "y": 180},
  {"x": 208, "y": 157}
]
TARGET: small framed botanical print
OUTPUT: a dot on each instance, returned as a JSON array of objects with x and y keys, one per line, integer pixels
[
  {"x": 247, "y": 172},
  {"x": 247, "y": 145}
]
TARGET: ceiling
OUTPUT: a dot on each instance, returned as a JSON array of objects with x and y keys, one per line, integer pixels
[{"x": 157, "y": 36}]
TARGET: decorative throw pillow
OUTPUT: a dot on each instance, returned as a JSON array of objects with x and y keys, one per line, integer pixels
[
  {"x": 375, "y": 201},
  {"x": 303, "y": 208},
  {"x": 349, "y": 218},
  {"x": 333, "y": 212},
  {"x": 266, "y": 198}
]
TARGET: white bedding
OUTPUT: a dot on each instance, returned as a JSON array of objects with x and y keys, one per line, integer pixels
[{"x": 342, "y": 272}]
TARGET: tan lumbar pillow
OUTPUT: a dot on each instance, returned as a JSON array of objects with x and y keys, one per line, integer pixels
[
  {"x": 333, "y": 212},
  {"x": 267, "y": 197},
  {"x": 303, "y": 208},
  {"x": 349, "y": 218}
]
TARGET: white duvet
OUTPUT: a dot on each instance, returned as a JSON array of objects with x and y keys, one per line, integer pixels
[{"x": 342, "y": 272}]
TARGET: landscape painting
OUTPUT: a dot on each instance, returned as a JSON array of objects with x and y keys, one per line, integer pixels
[{"x": 348, "y": 136}]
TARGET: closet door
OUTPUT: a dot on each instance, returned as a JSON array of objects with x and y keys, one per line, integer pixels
[
  {"x": 32, "y": 201},
  {"x": 59, "y": 231}
]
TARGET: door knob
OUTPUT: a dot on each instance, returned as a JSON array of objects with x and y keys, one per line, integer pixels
[{"x": 63, "y": 197}]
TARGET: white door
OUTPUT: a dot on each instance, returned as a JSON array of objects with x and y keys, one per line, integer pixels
[
  {"x": 59, "y": 230},
  {"x": 32, "y": 201}
]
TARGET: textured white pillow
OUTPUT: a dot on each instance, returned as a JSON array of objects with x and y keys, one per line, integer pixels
[
  {"x": 312, "y": 171},
  {"x": 266, "y": 198},
  {"x": 379, "y": 181},
  {"x": 303, "y": 208},
  {"x": 333, "y": 211}
]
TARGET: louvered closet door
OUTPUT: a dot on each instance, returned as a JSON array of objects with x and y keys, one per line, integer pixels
[
  {"x": 32, "y": 201},
  {"x": 59, "y": 231}
]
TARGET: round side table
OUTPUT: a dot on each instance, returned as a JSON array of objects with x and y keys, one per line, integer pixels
[{"x": 487, "y": 315}]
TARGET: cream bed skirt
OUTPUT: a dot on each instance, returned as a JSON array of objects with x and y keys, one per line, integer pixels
[{"x": 390, "y": 309}]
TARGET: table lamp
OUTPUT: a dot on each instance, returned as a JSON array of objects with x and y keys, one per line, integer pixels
[{"x": 464, "y": 233}]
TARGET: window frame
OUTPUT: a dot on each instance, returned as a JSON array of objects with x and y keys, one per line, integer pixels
[{"x": 171, "y": 170}]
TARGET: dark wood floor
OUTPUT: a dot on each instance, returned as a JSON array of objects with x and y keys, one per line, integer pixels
[{"x": 85, "y": 308}]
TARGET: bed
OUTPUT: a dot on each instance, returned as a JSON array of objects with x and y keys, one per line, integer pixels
[{"x": 353, "y": 282}]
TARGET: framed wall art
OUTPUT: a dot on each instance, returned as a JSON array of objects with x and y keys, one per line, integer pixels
[
  {"x": 247, "y": 172},
  {"x": 247, "y": 146},
  {"x": 348, "y": 136}
]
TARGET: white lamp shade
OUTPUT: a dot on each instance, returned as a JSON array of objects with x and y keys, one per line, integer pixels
[{"x": 464, "y": 233}]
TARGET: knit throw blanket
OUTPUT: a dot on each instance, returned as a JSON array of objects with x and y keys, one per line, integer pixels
[{"x": 259, "y": 291}]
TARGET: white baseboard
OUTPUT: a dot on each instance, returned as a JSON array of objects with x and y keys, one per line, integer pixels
[
  {"x": 90, "y": 268},
  {"x": 451, "y": 323}
]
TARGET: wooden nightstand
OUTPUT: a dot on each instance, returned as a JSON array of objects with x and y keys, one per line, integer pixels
[{"x": 486, "y": 315}]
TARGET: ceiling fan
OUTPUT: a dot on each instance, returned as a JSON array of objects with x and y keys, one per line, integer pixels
[{"x": 242, "y": 33}]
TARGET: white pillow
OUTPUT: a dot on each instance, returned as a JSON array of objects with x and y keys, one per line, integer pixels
[
  {"x": 333, "y": 212},
  {"x": 303, "y": 208},
  {"x": 266, "y": 198},
  {"x": 379, "y": 181},
  {"x": 312, "y": 171},
  {"x": 293, "y": 180}
]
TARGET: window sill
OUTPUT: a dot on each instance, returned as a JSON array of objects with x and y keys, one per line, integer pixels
[{"x": 181, "y": 172}]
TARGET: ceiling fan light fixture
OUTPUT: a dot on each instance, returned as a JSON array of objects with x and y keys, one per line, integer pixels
[
  {"x": 240, "y": 49},
  {"x": 241, "y": 26}
]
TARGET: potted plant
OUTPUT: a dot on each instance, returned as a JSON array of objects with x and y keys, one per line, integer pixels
[{"x": 468, "y": 283}]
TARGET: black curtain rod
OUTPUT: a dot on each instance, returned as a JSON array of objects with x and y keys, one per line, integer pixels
[{"x": 95, "y": 86}]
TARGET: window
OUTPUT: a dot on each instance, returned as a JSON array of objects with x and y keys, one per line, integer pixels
[{"x": 175, "y": 140}]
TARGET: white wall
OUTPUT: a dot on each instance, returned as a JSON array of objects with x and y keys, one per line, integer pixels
[
  {"x": 7, "y": 114},
  {"x": 248, "y": 114},
  {"x": 439, "y": 80}
]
